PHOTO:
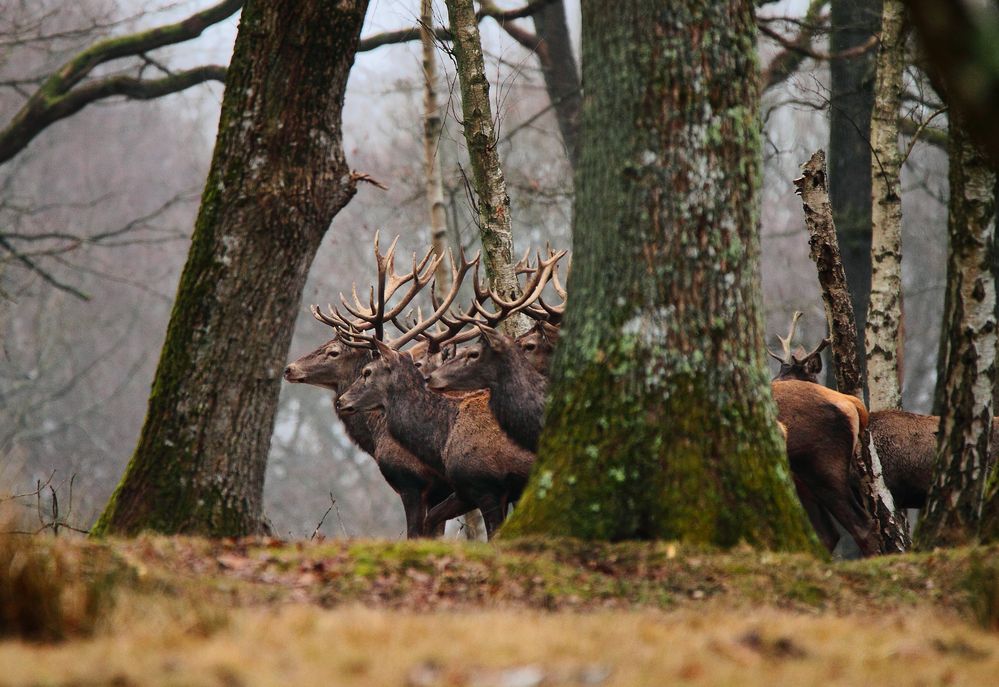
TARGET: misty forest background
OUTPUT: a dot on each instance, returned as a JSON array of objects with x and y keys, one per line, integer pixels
[{"x": 75, "y": 373}]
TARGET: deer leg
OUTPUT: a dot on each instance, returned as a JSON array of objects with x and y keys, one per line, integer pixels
[
  {"x": 415, "y": 507},
  {"x": 848, "y": 511},
  {"x": 492, "y": 512},
  {"x": 451, "y": 507},
  {"x": 817, "y": 515}
]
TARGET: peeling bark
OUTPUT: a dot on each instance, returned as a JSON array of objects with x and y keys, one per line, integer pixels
[
  {"x": 278, "y": 177},
  {"x": 487, "y": 173},
  {"x": 867, "y": 479},
  {"x": 883, "y": 332},
  {"x": 961, "y": 480},
  {"x": 661, "y": 422}
]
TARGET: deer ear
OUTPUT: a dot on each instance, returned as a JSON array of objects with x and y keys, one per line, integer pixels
[
  {"x": 813, "y": 364},
  {"x": 386, "y": 351},
  {"x": 492, "y": 338}
]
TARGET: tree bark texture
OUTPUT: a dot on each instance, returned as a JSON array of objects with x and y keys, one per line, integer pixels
[
  {"x": 954, "y": 502},
  {"x": 487, "y": 173},
  {"x": 660, "y": 421},
  {"x": 851, "y": 102},
  {"x": 431, "y": 149},
  {"x": 867, "y": 479},
  {"x": 278, "y": 177},
  {"x": 813, "y": 187},
  {"x": 883, "y": 333}
]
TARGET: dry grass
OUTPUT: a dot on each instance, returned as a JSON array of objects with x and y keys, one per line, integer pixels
[
  {"x": 514, "y": 614},
  {"x": 304, "y": 645},
  {"x": 50, "y": 593}
]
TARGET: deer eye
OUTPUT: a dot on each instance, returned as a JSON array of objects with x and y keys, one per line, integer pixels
[
  {"x": 529, "y": 347},
  {"x": 473, "y": 355},
  {"x": 366, "y": 373},
  {"x": 334, "y": 353},
  {"x": 418, "y": 364}
]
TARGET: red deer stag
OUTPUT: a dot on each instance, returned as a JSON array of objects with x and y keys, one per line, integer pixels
[
  {"x": 486, "y": 469},
  {"x": 335, "y": 366},
  {"x": 906, "y": 442}
]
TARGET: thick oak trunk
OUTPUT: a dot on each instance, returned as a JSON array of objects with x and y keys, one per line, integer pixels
[
  {"x": 278, "y": 177},
  {"x": 883, "y": 336},
  {"x": 661, "y": 423},
  {"x": 954, "y": 502}
]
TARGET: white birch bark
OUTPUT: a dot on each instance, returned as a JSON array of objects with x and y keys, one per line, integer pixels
[
  {"x": 884, "y": 313},
  {"x": 431, "y": 142}
]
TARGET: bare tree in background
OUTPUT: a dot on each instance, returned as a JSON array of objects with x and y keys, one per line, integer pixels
[
  {"x": 278, "y": 177},
  {"x": 851, "y": 101},
  {"x": 883, "y": 337}
]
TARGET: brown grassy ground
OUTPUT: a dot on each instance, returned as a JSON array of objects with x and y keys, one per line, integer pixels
[{"x": 515, "y": 614}]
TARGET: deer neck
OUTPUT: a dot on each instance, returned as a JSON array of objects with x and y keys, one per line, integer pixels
[
  {"x": 421, "y": 420},
  {"x": 517, "y": 399}
]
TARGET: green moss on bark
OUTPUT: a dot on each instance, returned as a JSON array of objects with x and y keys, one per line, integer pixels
[
  {"x": 278, "y": 177},
  {"x": 660, "y": 423}
]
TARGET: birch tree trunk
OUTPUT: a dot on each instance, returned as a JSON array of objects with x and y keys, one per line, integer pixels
[
  {"x": 431, "y": 149},
  {"x": 475, "y": 527},
  {"x": 956, "y": 497},
  {"x": 661, "y": 422},
  {"x": 278, "y": 177},
  {"x": 487, "y": 173},
  {"x": 884, "y": 313},
  {"x": 867, "y": 479}
]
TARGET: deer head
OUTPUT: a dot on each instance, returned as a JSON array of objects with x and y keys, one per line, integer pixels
[
  {"x": 332, "y": 366},
  {"x": 797, "y": 364}
]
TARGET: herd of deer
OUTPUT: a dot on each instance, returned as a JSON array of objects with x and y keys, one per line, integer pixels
[{"x": 456, "y": 428}]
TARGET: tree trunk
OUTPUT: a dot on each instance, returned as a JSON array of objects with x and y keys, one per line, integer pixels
[
  {"x": 278, "y": 177},
  {"x": 851, "y": 102},
  {"x": 884, "y": 344},
  {"x": 558, "y": 65},
  {"x": 661, "y": 423},
  {"x": 867, "y": 479},
  {"x": 487, "y": 174},
  {"x": 955, "y": 499},
  {"x": 431, "y": 149}
]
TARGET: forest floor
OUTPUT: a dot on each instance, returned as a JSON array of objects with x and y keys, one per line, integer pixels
[{"x": 179, "y": 611}]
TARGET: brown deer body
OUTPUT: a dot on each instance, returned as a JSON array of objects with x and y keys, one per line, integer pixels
[
  {"x": 458, "y": 435},
  {"x": 334, "y": 366},
  {"x": 517, "y": 389}
]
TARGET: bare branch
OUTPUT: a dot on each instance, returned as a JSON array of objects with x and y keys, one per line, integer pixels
[{"x": 57, "y": 99}]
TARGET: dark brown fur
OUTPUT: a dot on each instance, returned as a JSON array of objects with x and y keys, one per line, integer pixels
[
  {"x": 458, "y": 434},
  {"x": 334, "y": 366}
]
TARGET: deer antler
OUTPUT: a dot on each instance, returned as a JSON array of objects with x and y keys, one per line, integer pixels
[{"x": 789, "y": 358}]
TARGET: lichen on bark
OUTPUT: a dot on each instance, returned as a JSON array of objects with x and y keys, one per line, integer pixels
[{"x": 660, "y": 422}]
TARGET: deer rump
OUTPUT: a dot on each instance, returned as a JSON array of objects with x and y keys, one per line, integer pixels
[
  {"x": 907, "y": 446},
  {"x": 823, "y": 429}
]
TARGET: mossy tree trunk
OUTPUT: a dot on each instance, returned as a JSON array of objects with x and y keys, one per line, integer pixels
[
  {"x": 851, "y": 102},
  {"x": 958, "y": 491},
  {"x": 278, "y": 177},
  {"x": 661, "y": 423},
  {"x": 483, "y": 153},
  {"x": 883, "y": 337}
]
